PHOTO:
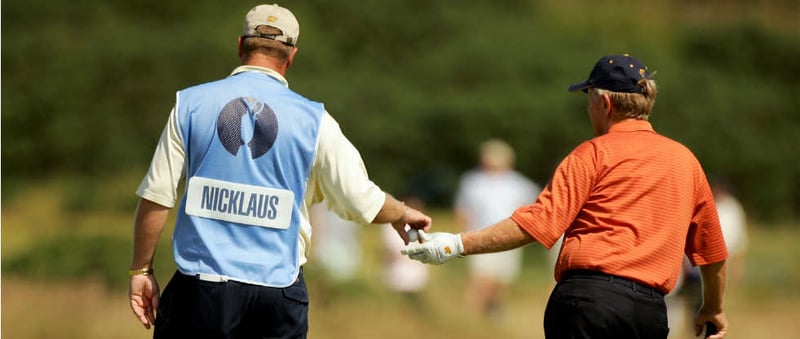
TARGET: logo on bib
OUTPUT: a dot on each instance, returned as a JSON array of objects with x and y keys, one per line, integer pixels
[{"x": 262, "y": 120}]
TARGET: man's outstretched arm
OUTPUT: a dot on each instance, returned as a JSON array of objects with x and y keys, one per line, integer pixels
[{"x": 438, "y": 248}]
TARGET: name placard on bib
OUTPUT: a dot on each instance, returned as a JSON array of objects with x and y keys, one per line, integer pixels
[{"x": 244, "y": 204}]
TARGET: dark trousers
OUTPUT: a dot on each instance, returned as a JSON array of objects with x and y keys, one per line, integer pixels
[
  {"x": 193, "y": 308},
  {"x": 591, "y": 304}
]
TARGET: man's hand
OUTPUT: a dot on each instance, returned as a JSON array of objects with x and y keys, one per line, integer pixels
[
  {"x": 415, "y": 220},
  {"x": 436, "y": 248},
  {"x": 719, "y": 321},
  {"x": 143, "y": 294}
]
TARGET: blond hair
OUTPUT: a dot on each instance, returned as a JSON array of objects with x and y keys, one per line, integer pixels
[
  {"x": 273, "y": 48},
  {"x": 633, "y": 105},
  {"x": 496, "y": 154}
]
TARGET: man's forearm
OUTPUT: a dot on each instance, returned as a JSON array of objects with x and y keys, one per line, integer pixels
[
  {"x": 392, "y": 211},
  {"x": 715, "y": 278},
  {"x": 148, "y": 224},
  {"x": 503, "y": 236}
]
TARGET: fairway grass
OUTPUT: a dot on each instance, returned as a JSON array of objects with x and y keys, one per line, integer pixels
[{"x": 763, "y": 305}]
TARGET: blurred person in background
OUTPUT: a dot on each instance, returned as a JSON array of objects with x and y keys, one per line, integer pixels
[
  {"x": 401, "y": 274},
  {"x": 336, "y": 244},
  {"x": 337, "y": 252},
  {"x": 486, "y": 195},
  {"x": 733, "y": 219},
  {"x": 630, "y": 204},
  {"x": 255, "y": 156}
]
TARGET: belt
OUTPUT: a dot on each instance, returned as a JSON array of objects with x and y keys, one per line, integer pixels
[
  {"x": 613, "y": 279},
  {"x": 211, "y": 277},
  {"x": 222, "y": 279}
]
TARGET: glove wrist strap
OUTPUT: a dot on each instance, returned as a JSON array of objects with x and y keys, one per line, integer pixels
[{"x": 460, "y": 246}]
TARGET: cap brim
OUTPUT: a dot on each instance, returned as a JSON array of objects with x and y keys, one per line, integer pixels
[{"x": 581, "y": 86}]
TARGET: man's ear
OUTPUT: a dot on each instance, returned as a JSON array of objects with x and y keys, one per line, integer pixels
[
  {"x": 291, "y": 57},
  {"x": 239, "y": 48},
  {"x": 607, "y": 105}
]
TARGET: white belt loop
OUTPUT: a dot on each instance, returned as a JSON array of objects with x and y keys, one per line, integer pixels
[{"x": 211, "y": 277}]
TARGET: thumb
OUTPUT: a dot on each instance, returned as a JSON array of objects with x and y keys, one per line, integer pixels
[{"x": 424, "y": 236}]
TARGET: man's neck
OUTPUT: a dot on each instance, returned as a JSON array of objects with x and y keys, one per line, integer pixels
[{"x": 266, "y": 62}]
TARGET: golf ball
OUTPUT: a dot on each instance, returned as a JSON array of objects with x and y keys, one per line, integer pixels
[{"x": 413, "y": 235}]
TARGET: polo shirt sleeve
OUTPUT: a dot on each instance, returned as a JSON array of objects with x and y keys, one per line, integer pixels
[
  {"x": 160, "y": 184},
  {"x": 562, "y": 199},
  {"x": 340, "y": 178},
  {"x": 705, "y": 243}
]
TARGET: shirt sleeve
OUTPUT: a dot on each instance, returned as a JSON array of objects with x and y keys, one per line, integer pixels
[
  {"x": 561, "y": 200},
  {"x": 340, "y": 178},
  {"x": 705, "y": 243},
  {"x": 160, "y": 184}
]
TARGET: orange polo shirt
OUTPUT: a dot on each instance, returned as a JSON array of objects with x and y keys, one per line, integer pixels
[{"x": 629, "y": 203}]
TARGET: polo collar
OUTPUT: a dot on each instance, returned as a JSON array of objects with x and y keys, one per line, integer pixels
[
  {"x": 264, "y": 70},
  {"x": 631, "y": 125}
]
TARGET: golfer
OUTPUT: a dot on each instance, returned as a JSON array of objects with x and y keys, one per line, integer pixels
[{"x": 630, "y": 204}]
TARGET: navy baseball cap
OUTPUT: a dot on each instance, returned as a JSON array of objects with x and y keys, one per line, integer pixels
[{"x": 616, "y": 73}]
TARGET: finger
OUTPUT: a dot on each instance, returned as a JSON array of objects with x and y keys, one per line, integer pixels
[
  {"x": 698, "y": 330},
  {"x": 155, "y": 302},
  {"x": 151, "y": 315},
  {"x": 420, "y": 221},
  {"x": 419, "y": 256},
  {"x": 719, "y": 335},
  {"x": 401, "y": 231},
  {"x": 424, "y": 235},
  {"x": 139, "y": 313},
  {"x": 429, "y": 260},
  {"x": 412, "y": 250}
]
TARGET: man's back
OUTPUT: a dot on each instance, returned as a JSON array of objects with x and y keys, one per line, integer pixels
[
  {"x": 640, "y": 207},
  {"x": 625, "y": 202},
  {"x": 250, "y": 147}
]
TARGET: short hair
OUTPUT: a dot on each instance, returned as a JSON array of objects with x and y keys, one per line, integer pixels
[
  {"x": 496, "y": 153},
  {"x": 273, "y": 48},
  {"x": 633, "y": 105}
]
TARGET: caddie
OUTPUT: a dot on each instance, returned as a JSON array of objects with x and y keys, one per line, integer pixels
[{"x": 254, "y": 155}]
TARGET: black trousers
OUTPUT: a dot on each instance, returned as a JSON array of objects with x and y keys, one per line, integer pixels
[
  {"x": 591, "y": 304},
  {"x": 193, "y": 308}
]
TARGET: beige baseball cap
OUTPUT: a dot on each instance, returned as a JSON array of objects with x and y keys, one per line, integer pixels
[{"x": 275, "y": 16}]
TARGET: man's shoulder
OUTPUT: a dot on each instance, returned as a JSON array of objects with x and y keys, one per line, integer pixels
[
  {"x": 241, "y": 85},
  {"x": 203, "y": 85},
  {"x": 589, "y": 147}
]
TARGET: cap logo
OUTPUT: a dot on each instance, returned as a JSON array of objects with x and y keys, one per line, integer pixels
[{"x": 272, "y": 18}]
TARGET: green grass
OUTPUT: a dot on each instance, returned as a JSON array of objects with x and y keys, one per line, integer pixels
[{"x": 64, "y": 276}]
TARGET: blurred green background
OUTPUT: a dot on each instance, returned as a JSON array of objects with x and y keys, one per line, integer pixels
[{"x": 416, "y": 85}]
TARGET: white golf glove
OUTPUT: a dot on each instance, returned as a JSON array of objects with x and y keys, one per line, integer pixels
[{"x": 436, "y": 248}]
